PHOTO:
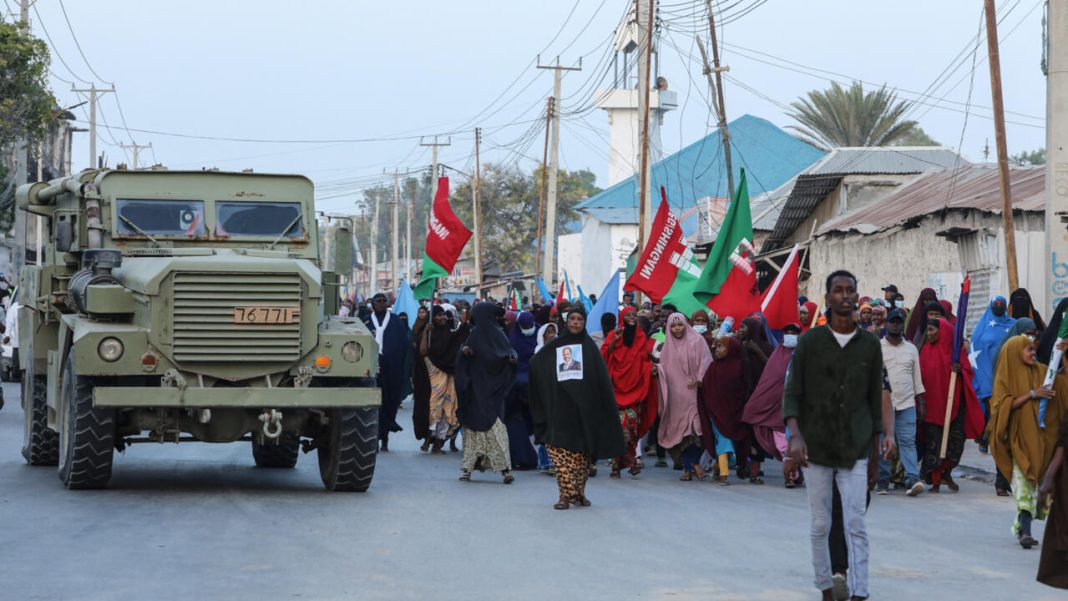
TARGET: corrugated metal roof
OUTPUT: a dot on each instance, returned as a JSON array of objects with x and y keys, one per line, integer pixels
[
  {"x": 769, "y": 155},
  {"x": 975, "y": 187},
  {"x": 819, "y": 180},
  {"x": 885, "y": 160}
]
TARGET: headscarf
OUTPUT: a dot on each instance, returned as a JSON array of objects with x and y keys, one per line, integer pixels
[
  {"x": 985, "y": 342},
  {"x": 920, "y": 338},
  {"x": 1022, "y": 325},
  {"x": 1020, "y": 305},
  {"x": 578, "y": 415},
  {"x": 1015, "y": 437},
  {"x": 755, "y": 331},
  {"x": 723, "y": 395},
  {"x": 484, "y": 380},
  {"x": 523, "y": 345},
  {"x": 628, "y": 364},
  {"x": 869, "y": 308},
  {"x": 682, "y": 363},
  {"x": 444, "y": 341},
  {"x": 947, "y": 310},
  {"x": 812, "y": 309},
  {"x": 918, "y": 318},
  {"x": 541, "y": 335},
  {"x": 1049, "y": 335},
  {"x": 935, "y": 367},
  {"x": 763, "y": 410}
]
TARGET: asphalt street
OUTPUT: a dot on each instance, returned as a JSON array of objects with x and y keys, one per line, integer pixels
[{"x": 197, "y": 521}]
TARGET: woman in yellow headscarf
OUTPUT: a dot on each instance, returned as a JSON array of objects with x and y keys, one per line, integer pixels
[{"x": 1022, "y": 437}]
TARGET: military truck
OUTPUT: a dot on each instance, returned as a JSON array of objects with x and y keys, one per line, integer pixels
[{"x": 172, "y": 306}]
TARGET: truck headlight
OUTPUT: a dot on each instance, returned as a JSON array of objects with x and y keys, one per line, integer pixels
[
  {"x": 110, "y": 349},
  {"x": 352, "y": 352}
]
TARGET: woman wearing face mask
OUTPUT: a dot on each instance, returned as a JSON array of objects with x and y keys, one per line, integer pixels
[
  {"x": 1022, "y": 435},
  {"x": 701, "y": 324},
  {"x": 626, "y": 353},
  {"x": 965, "y": 417},
  {"x": 517, "y": 417},
  {"x": 683, "y": 363},
  {"x": 763, "y": 411}
]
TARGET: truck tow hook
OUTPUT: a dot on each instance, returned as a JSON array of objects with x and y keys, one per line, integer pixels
[{"x": 272, "y": 423}]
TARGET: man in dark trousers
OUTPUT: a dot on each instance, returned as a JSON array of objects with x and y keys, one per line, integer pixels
[
  {"x": 394, "y": 363},
  {"x": 833, "y": 409}
]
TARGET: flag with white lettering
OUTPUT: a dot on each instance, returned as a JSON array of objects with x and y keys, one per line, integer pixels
[
  {"x": 446, "y": 237},
  {"x": 667, "y": 269}
]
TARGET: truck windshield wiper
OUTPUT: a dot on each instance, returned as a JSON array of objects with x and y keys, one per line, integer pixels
[
  {"x": 285, "y": 231},
  {"x": 137, "y": 229}
]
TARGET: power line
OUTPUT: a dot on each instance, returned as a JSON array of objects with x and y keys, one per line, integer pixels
[{"x": 78, "y": 44}]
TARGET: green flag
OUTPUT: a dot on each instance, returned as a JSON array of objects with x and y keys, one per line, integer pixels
[{"x": 737, "y": 229}]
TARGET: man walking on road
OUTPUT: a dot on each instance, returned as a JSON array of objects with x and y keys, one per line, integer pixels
[
  {"x": 833, "y": 410},
  {"x": 902, "y": 362}
]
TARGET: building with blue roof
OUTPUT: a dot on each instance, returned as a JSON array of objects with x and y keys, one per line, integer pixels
[{"x": 695, "y": 179}]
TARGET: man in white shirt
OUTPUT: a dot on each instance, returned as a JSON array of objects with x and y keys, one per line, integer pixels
[{"x": 902, "y": 362}]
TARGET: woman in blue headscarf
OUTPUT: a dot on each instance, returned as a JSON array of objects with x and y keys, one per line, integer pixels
[
  {"x": 986, "y": 339},
  {"x": 517, "y": 418}
]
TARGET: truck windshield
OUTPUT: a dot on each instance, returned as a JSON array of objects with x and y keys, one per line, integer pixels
[
  {"x": 160, "y": 217},
  {"x": 258, "y": 219}
]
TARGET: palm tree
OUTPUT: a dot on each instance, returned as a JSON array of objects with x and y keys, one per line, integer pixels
[{"x": 850, "y": 117}]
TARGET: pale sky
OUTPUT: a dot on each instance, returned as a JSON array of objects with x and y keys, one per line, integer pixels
[{"x": 360, "y": 81}]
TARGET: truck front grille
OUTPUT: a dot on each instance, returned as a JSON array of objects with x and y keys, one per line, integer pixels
[{"x": 203, "y": 322}]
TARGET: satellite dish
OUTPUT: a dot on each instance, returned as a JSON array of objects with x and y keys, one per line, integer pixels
[{"x": 661, "y": 84}]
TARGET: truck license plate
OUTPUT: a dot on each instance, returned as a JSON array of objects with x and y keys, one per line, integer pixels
[{"x": 268, "y": 315}]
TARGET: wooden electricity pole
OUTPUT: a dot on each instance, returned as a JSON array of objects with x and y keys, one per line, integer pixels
[
  {"x": 644, "y": 81},
  {"x": 477, "y": 210},
  {"x": 1002, "y": 148},
  {"x": 554, "y": 156},
  {"x": 541, "y": 192}
]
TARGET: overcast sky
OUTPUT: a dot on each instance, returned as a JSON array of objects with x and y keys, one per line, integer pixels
[{"x": 338, "y": 74}]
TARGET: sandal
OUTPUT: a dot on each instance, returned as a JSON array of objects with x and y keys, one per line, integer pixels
[
  {"x": 953, "y": 486},
  {"x": 615, "y": 473},
  {"x": 563, "y": 503},
  {"x": 508, "y": 478},
  {"x": 635, "y": 471},
  {"x": 581, "y": 501},
  {"x": 466, "y": 477},
  {"x": 686, "y": 477},
  {"x": 426, "y": 445},
  {"x": 592, "y": 470},
  {"x": 756, "y": 480},
  {"x": 1001, "y": 492},
  {"x": 722, "y": 481},
  {"x": 699, "y": 472}
]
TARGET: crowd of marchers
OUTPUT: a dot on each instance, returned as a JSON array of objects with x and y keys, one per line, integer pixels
[{"x": 865, "y": 395}]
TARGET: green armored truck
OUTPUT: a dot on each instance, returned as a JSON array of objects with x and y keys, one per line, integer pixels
[{"x": 173, "y": 306}]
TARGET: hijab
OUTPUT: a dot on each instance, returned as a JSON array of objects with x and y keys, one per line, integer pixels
[
  {"x": 986, "y": 339},
  {"x": 1020, "y": 305},
  {"x": 918, "y": 318},
  {"x": 579, "y": 415},
  {"x": 542, "y": 333},
  {"x": 683, "y": 361},
  {"x": 445, "y": 341},
  {"x": 763, "y": 410},
  {"x": 1015, "y": 437},
  {"x": 935, "y": 367},
  {"x": 947, "y": 310},
  {"x": 723, "y": 392},
  {"x": 484, "y": 379},
  {"x": 812, "y": 316},
  {"x": 628, "y": 364},
  {"x": 1049, "y": 335},
  {"x": 523, "y": 344},
  {"x": 1022, "y": 325},
  {"x": 755, "y": 331}
]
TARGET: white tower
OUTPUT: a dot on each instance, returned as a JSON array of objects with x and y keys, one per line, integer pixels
[{"x": 622, "y": 101}]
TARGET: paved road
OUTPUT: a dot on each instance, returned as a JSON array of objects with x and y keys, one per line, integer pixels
[{"x": 199, "y": 522}]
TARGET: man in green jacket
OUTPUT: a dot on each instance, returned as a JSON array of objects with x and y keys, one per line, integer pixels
[{"x": 832, "y": 406}]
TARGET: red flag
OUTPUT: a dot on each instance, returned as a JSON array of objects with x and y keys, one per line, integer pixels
[
  {"x": 738, "y": 297},
  {"x": 560, "y": 296},
  {"x": 446, "y": 236},
  {"x": 779, "y": 303},
  {"x": 667, "y": 269}
]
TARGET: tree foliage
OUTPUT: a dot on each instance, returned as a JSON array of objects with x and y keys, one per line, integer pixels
[
  {"x": 1029, "y": 159},
  {"x": 916, "y": 137},
  {"x": 510, "y": 200},
  {"x": 839, "y": 117},
  {"x": 26, "y": 104}
]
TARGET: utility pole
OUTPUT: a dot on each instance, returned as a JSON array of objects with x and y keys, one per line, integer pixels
[
  {"x": 22, "y": 159},
  {"x": 408, "y": 241},
  {"x": 372, "y": 287},
  {"x": 135, "y": 150},
  {"x": 94, "y": 93},
  {"x": 476, "y": 198},
  {"x": 541, "y": 192},
  {"x": 24, "y": 13},
  {"x": 395, "y": 252},
  {"x": 434, "y": 163},
  {"x": 717, "y": 100},
  {"x": 1056, "y": 153},
  {"x": 644, "y": 89},
  {"x": 999, "y": 142},
  {"x": 554, "y": 150}
]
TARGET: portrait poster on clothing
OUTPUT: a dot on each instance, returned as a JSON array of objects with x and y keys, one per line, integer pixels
[{"x": 569, "y": 363}]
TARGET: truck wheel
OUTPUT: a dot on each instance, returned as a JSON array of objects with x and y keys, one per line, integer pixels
[
  {"x": 348, "y": 450},
  {"x": 40, "y": 444},
  {"x": 87, "y": 433},
  {"x": 282, "y": 453}
]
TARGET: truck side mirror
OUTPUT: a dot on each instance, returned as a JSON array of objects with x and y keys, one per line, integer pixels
[{"x": 341, "y": 245}]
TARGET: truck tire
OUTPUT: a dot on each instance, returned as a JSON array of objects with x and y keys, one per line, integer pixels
[
  {"x": 40, "y": 444},
  {"x": 348, "y": 450},
  {"x": 87, "y": 433},
  {"x": 282, "y": 453}
]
